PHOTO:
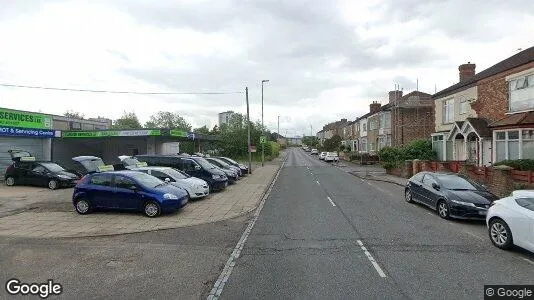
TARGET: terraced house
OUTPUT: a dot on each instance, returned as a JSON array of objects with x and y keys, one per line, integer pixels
[{"x": 487, "y": 117}]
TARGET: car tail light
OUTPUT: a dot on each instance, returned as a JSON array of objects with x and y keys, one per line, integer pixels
[
  {"x": 82, "y": 180},
  {"x": 10, "y": 168}
]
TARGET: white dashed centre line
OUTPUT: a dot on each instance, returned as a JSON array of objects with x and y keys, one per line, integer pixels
[
  {"x": 331, "y": 202},
  {"x": 317, "y": 182},
  {"x": 372, "y": 260}
]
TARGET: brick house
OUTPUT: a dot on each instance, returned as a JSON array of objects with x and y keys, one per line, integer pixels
[
  {"x": 412, "y": 116},
  {"x": 489, "y": 115},
  {"x": 373, "y": 123},
  {"x": 355, "y": 142},
  {"x": 331, "y": 129}
]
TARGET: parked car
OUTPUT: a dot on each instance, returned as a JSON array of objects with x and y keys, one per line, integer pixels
[
  {"x": 314, "y": 152},
  {"x": 25, "y": 170},
  {"x": 450, "y": 195},
  {"x": 510, "y": 221},
  {"x": 128, "y": 163},
  {"x": 237, "y": 169},
  {"x": 84, "y": 165},
  {"x": 230, "y": 172},
  {"x": 244, "y": 169},
  {"x": 322, "y": 155},
  {"x": 195, "y": 187},
  {"x": 331, "y": 156},
  {"x": 194, "y": 166},
  {"x": 127, "y": 190}
]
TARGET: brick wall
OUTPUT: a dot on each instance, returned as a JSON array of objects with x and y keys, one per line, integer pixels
[
  {"x": 492, "y": 102},
  {"x": 411, "y": 124}
]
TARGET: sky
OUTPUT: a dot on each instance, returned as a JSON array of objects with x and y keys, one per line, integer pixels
[{"x": 325, "y": 60}]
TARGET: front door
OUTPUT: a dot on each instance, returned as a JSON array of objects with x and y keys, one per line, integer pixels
[
  {"x": 125, "y": 197},
  {"x": 37, "y": 176},
  {"x": 429, "y": 193},
  {"x": 101, "y": 192},
  {"x": 472, "y": 148}
]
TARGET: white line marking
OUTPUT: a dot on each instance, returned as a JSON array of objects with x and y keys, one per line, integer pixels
[
  {"x": 218, "y": 286},
  {"x": 317, "y": 182},
  {"x": 331, "y": 202},
  {"x": 311, "y": 173},
  {"x": 372, "y": 260},
  {"x": 529, "y": 261}
]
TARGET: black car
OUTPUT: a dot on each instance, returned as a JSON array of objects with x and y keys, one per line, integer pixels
[
  {"x": 244, "y": 169},
  {"x": 83, "y": 165},
  {"x": 194, "y": 166},
  {"x": 230, "y": 172},
  {"x": 25, "y": 170},
  {"x": 450, "y": 195}
]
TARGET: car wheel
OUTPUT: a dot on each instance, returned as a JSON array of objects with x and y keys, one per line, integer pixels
[
  {"x": 500, "y": 234},
  {"x": 10, "y": 181},
  {"x": 408, "y": 196},
  {"x": 53, "y": 184},
  {"x": 443, "y": 209},
  {"x": 152, "y": 209},
  {"x": 83, "y": 206}
]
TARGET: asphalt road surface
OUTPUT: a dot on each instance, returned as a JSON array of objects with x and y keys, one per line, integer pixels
[{"x": 326, "y": 234}]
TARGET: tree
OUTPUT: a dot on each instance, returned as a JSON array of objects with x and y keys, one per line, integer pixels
[
  {"x": 215, "y": 130},
  {"x": 203, "y": 130},
  {"x": 311, "y": 141},
  {"x": 332, "y": 144},
  {"x": 167, "y": 119},
  {"x": 128, "y": 120},
  {"x": 73, "y": 114}
]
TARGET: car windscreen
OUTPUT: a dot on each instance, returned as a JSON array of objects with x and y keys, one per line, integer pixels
[
  {"x": 146, "y": 180},
  {"x": 214, "y": 162},
  {"x": 130, "y": 162},
  {"x": 222, "y": 163},
  {"x": 204, "y": 163},
  {"x": 453, "y": 182},
  {"x": 91, "y": 165},
  {"x": 52, "y": 167},
  {"x": 175, "y": 174},
  {"x": 231, "y": 160}
]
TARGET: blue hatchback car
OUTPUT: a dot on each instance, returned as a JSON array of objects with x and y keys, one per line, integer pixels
[{"x": 127, "y": 190}]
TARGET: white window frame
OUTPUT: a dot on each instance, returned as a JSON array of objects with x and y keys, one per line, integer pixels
[
  {"x": 448, "y": 117},
  {"x": 463, "y": 105},
  {"x": 506, "y": 142},
  {"x": 528, "y": 83}
]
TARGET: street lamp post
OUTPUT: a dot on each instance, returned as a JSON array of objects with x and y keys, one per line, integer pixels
[
  {"x": 278, "y": 131},
  {"x": 262, "y": 127}
]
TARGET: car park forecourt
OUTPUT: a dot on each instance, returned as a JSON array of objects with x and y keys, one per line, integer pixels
[
  {"x": 194, "y": 166},
  {"x": 127, "y": 190}
]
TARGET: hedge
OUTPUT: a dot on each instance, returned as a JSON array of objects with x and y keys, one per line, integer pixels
[
  {"x": 518, "y": 164},
  {"x": 392, "y": 157}
]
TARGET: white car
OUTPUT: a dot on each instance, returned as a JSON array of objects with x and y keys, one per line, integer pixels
[
  {"x": 510, "y": 221},
  {"x": 331, "y": 156},
  {"x": 322, "y": 155},
  {"x": 314, "y": 152},
  {"x": 195, "y": 187}
]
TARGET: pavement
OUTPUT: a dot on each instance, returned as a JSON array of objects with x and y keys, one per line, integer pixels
[
  {"x": 326, "y": 234},
  {"x": 38, "y": 212},
  {"x": 370, "y": 172}
]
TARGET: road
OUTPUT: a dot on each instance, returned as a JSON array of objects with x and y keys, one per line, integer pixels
[{"x": 326, "y": 234}]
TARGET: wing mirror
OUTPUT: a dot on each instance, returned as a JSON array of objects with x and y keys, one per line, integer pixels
[
  {"x": 435, "y": 186},
  {"x": 167, "y": 180}
]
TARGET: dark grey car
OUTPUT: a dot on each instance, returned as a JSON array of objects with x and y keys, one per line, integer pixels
[{"x": 450, "y": 195}]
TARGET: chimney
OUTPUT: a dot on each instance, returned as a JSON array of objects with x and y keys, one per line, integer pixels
[
  {"x": 466, "y": 71},
  {"x": 374, "y": 107},
  {"x": 343, "y": 120},
  {"x": 394, "y": 95}
]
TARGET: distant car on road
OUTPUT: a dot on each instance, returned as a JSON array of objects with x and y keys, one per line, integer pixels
[
  {"x": 449, "y": 194},
  {"x": 127, "y": 190},
  {"x": 314, "y": 152},
  {"x": 331, "y": 156},
  {"x": 322, "y": 155},
  {"x": 195, "y": 187},
  {"x": 25, "y": 170},
  {"x": 510, "y": 221}
]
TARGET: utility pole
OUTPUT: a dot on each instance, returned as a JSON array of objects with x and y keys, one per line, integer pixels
[
  {"x": 262, "y": 127},
  {"x": 248, "y": 128},
  {"x": 278, "y": 131}
]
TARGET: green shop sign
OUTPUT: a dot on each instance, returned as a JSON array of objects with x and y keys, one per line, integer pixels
[
  {"x": 177, "y": 132},
  {"x": 21, "y": 119},
  {"x": 110, "y": 133}
]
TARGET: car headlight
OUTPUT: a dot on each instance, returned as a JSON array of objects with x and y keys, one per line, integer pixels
[
  {"x": 215, "y": 176},
  {"x": 463, "y": 203},
  {"x": 63, "y": 176},
  {"x": 170, "y": 196}
]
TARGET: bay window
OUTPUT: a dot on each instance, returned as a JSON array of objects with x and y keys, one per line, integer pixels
[
  {"x": 514, "y": 144},
  {"x": 448, "y": 111},
  {"x": 521, "y": 93}
]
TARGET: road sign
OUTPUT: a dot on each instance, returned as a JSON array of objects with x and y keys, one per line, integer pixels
[
  {"x": 252, "y": 148},
  {"x": 263, "y": 139}
]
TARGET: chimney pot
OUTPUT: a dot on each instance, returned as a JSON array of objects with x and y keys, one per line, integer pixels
[{"x": 466, "y": 71}]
